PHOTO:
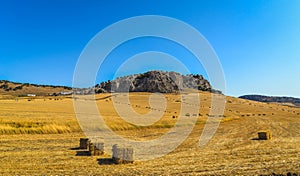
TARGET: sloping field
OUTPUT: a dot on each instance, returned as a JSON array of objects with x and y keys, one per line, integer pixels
[{"x": 38, "y": 137}]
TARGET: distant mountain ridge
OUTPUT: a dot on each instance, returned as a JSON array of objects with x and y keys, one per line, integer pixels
[
  {"x": 155, "y": 81},
  {"x": 273, "y": 99}
]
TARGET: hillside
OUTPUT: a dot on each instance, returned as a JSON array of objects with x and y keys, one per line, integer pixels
[
  {"x": 155, "y": 81},
  {"x": 9, "y": 88},
  {"x": 273, "y": 99}
]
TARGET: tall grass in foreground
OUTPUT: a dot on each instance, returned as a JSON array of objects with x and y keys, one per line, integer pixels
[{"x": 30, "y": 127}]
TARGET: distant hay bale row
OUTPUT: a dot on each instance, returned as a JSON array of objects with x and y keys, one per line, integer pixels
[
  {"x": 210, "y": 115},
  {"x": 248, "y": 115},
  {"x": 194, "y": 115},
  {"x": 188, "y": 115}
]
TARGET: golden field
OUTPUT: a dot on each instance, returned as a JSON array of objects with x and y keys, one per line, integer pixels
[{"x": 37, "y": 138}]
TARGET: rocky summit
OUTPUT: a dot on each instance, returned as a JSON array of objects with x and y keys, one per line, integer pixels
[{"x": 155, "y": 81}]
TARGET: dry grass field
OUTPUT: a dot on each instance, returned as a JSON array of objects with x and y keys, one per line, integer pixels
[{"x": 38, "y": 137}]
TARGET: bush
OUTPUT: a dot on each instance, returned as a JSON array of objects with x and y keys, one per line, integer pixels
[
  {"x": 18, "y": 88},
  {"x": 4, "y": 86}
]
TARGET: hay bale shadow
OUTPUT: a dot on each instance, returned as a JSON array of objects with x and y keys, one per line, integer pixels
[
  {"x": 75, "y": 148},
  {"x": 255, "y": 139},
  {"x": 105, "y": 161},
  {"x": 83, "y": 153}
]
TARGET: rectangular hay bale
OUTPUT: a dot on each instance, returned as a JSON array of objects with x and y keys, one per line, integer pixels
[
  {"x": 99, "y": 146},
  {"x": 91, "y": 147},
  {"x": 96, "y": 149},
  {"x": 122, "y": 155},
  {"x": 264, "y": 135},
  {"x": 84, "y": 143}
]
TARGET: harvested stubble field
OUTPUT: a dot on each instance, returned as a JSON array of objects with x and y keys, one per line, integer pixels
[{"x": 38, "y": 137}]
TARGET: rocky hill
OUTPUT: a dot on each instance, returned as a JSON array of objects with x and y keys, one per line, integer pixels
[
  {"x": 273, "y": 99},
  {"x": 152, "y": 81},
  {"x": 155, "y": 81}
]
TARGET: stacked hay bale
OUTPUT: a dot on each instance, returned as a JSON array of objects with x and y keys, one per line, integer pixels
[
  {"x": 122, "y": 155},
  {"x": 96, "y": 149},
  {"x": 264, "y": 135},
  {"x": 99, "y": 149},
  {"x": 91, "y": 149}
]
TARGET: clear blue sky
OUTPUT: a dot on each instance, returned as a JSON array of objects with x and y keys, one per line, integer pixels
[{"x": 257, "y": 41}]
